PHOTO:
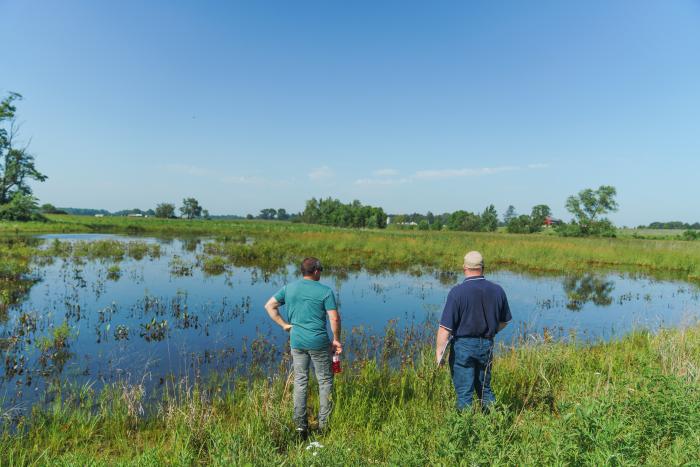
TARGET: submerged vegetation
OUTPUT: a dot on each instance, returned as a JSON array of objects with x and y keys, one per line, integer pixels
[{"x": 634, "y": 401}]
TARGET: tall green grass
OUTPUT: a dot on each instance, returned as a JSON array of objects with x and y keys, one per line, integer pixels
[
  {"x": 634, "y": 401},
  {"x": 276, "y": 244}
]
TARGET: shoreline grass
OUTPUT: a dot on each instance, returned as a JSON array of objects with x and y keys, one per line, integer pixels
[
  {"x": 274, "y": 245},
  {"x": 632, "y": 401}
]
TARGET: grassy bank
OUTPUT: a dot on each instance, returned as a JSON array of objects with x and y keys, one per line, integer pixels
[
  {"x": 622, "y": 403},
  {"x": 275, "y": 244}
]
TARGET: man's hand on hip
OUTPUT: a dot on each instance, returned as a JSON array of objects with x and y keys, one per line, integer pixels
[{"x": 287, "y": 327}]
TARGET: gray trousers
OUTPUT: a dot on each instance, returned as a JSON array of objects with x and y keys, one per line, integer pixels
[{"x": 321, "y": 360}]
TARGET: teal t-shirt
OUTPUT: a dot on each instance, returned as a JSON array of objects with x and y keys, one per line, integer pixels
[{"x": 307, "y": 303}]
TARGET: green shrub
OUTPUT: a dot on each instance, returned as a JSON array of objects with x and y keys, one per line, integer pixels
[
  {"x": 691, "y": 235},
  {"x": 21, "y": 208}
]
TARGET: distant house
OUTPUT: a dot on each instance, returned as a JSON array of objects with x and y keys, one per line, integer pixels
[
  {"x": 549, "y": 221},
  {"x": 390, "y": 220},
  {"x": 134, "y": 215},
  {"x": 99, "y": 215}
]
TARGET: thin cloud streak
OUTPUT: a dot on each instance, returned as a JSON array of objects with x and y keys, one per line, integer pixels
[
  {"x": 192, "y": 170},
  {"x": 384, "y": 176},
  {"x": 321, "y": 173},
  {"x": 382, "y": 181},
  {"x": 466, "y": 172},
  {"x": 241, "y": 179},
  {"x": 385, "y": 173}
]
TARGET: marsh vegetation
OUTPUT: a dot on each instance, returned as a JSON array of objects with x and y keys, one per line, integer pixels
[
  {"x": 633, "y": 401},
  {"x": 154, "y": 346}
]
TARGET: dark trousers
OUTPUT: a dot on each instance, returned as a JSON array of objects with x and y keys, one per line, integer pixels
[{"x": 470, "y": 366}]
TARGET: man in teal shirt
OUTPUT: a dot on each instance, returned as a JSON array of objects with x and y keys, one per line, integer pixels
[{"x": 308, "y": 302}]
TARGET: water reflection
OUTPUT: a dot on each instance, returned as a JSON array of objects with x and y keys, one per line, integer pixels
[
  {"x": 587, "y": 288},
  {"x": 102, "y": 307},
  {"x": 191, "y": 244},
  {"x": 14, "y": 291},
  {"x": 16, "y": 280}
]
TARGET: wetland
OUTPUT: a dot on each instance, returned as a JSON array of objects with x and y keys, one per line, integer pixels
[{"x": 104, "y": 309}]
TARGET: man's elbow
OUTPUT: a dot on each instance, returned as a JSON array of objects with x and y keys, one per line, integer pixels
[
  {"x": 271, "y": 306},
  {"x": 334, "y": 318}
]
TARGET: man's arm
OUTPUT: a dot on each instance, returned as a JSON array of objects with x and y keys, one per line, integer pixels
[
  {"x": 334, "y": 318},
  {"x": 272, "y": 307},
  {"x": 449, "y": 321},
  {"x": 504, "y": 313},
  {"x": 443, "y": 336}
]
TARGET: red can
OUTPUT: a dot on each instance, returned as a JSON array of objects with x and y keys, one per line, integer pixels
[{"x": 335, "y": 365}]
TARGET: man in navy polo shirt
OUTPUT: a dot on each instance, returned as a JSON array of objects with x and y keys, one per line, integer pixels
[{"x": 474, "y": 312}]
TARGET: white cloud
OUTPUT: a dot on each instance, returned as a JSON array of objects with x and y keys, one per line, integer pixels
[
  {"x": 382, "y": 181},
  {"x": 388, "y": 176},
  {"x": 192, "y": 170},
  {"x": 385, "y": 173},
  {"x": 467, "y": 172},
  {"x": 241, "y": 179},
  {"x": 321, "y": 173}
]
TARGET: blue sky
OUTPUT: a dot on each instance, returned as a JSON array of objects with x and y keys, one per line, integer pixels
[{"x": 412, "y": 106}]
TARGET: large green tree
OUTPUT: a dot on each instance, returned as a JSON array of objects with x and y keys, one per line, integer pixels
[
  {"x": 464, "y": 220},
  {"x": 191, "y": 208},
  {"x": 17, "y": 167},
  {"x": 589, "y": 206},
  {"x": 165, "y": 210},
  {"x": 267, "y": 214},
  {"x": 519, "y": 224},
  {"x": 509, "y": 214},
  {"x": 489, "y": 219},
  {"x": 537, "y": 217}
]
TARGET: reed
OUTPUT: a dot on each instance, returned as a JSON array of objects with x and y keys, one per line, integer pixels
[{"x": 633, "y": 401}]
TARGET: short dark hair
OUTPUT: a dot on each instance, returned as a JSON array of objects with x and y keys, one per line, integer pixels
[{"x": 310, "y": 265}]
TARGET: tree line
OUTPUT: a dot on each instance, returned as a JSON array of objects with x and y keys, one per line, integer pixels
[
  {"x": 486, "y": 221},
  {"x": 588, "y": 208},
  {"x": 673, "y": 225}
]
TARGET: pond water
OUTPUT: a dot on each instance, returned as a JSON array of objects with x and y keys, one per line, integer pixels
[{"x": 91, "y": 321}]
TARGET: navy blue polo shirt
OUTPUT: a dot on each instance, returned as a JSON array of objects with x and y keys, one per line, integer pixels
[{"x": 474, "y": 308}]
